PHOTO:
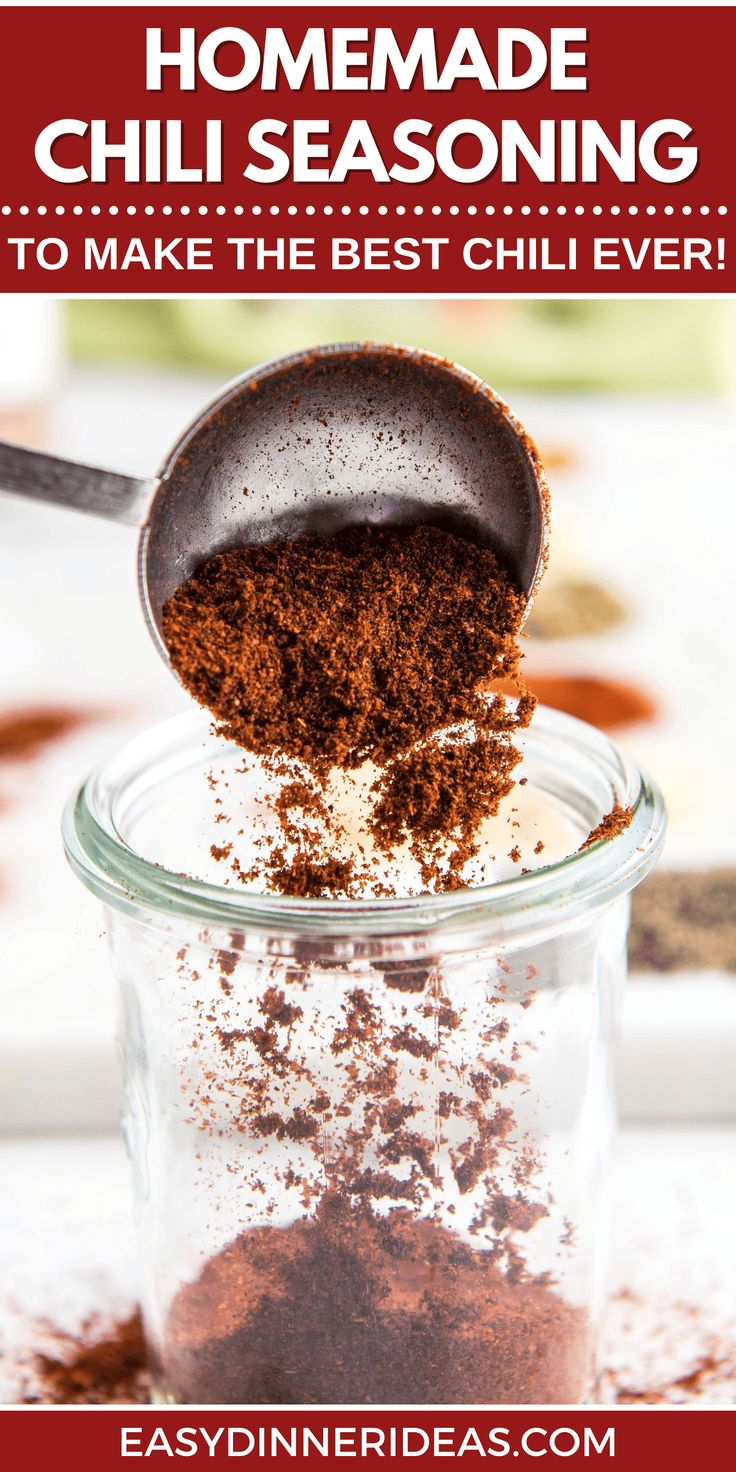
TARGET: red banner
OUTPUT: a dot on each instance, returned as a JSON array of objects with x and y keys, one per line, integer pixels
[
  {"x": 76, "y": 1440},
  {"x": 321, "y": 149}
]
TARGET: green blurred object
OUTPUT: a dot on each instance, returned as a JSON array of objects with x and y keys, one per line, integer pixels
[{"x": 635, "y": 345}]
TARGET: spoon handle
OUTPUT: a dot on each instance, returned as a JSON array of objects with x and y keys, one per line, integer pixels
[{"x": 104, "y": 493}]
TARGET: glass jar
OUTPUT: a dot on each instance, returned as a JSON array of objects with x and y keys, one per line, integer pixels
[{"x": 371, "y": 1140}]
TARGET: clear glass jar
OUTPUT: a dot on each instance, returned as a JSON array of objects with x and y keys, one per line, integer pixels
[{"x": 371, "y": 1140}]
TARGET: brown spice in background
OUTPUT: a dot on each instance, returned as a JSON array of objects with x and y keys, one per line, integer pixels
[
  {"x": 684, "y": 920},
  {"x": 25, "y": 732},
  {"x": 574, "y": 608},
  {"x": 559, "y": 457}
]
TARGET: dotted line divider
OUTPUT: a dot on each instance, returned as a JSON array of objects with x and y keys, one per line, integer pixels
[{"x": 363, "y": 209}]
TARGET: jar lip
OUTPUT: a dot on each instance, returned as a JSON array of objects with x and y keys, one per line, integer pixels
[{"x": 127, "y": 881}]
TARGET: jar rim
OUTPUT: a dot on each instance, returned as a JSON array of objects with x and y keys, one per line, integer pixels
[{"x": 125, "y": 880}]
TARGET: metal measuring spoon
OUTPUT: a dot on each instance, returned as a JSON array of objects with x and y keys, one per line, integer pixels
[{"x": 310, "y": 443}]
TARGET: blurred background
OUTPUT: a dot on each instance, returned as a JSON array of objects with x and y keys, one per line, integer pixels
[{"x": 632, "y": 405}]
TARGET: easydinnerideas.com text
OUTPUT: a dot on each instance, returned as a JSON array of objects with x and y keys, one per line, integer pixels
[{"x": 367, "y": 1441}]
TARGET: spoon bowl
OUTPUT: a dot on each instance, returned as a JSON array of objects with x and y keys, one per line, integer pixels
[
  {"x": 309, "y": 444},
  {"x": 352, "y": 432}
]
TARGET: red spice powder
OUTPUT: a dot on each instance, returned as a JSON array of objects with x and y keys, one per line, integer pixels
[
  {"x": 24, "y": 733},
  {"x": 603, "y": 702}
]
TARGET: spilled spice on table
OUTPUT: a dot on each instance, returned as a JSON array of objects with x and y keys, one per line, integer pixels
[{"x": 100, "y": 1365}]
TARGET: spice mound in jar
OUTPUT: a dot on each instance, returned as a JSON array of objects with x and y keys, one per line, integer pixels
[
  {"x": 388, "y": 1228},
  {"x": 349, "y": 1307}
]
